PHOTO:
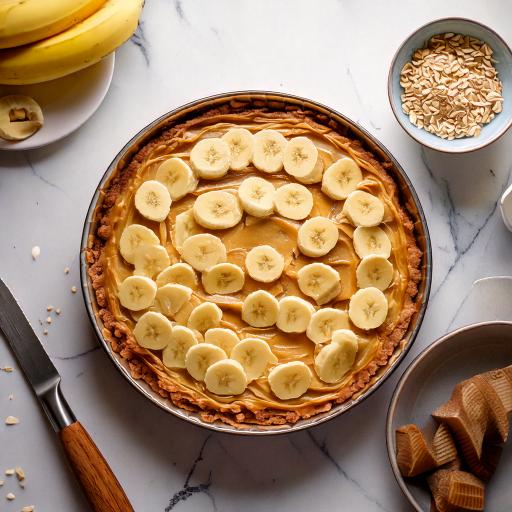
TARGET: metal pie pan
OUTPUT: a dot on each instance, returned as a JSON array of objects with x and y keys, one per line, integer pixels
[{"x": 273, "y": 101}]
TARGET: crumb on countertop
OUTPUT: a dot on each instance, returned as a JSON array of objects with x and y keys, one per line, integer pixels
[
  {"x": 36, "y": 251},
  {"x": 12, "y": 420},
  {"x": 7, "y": 369}
]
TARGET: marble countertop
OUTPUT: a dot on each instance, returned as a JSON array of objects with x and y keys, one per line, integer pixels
[{"x": 335, "y": 52}]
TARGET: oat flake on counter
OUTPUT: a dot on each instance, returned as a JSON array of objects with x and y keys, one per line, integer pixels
[{"x": 11, "y": 420}]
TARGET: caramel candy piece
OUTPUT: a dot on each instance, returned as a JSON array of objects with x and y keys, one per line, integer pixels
[
  {"x": 454, "y": 491},
  {"x": 444, "y": 447},
  {"x": 485, "y": 468},
  {"x": 413, "y": 454},
  {"x": 501, "y": 381}
]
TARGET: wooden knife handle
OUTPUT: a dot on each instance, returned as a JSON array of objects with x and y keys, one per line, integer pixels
[{"x": 99, "y": 484}]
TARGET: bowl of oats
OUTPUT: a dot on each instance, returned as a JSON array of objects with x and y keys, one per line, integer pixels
[{"x": 450, "y": 85}]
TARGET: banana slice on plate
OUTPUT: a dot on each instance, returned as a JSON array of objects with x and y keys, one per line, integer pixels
[
  {"x": 153, "y": 200},
  {"x": 335, "y": 360},
  {"x": 254, "y": 355},
  {"x": 257, "y": 196},
  {"x": 217, "y": 209},
  {"x": 137, "y": 292},
  {"x": 177, "y": 176},
  {"x": 341, "y": 178},
  {"x": 317, "y": 236},
  {"x": 260, "y": 309},
  {"x": 226, "y": 377},
  {"x": 153, "y": 331},
  {"x": 264, "y": 263},
  {"x": 132, "y": 237},
  {"x": 211, "y": 158},
  {"x": 368, "y": 308},
  {"x": 223, "y": 278},
  {"x": 324, "y": 322},
  {"x": 269, "y": 146},
  {"x": 374, "y": 271},
  {"x": 294, "y": 314},
  {"x": 290, "y": 380},
  {"x": 319, "y": 281},
  {"x": 150, "y": 260},
  {"x": 226, "y": 339},
  {"x": 204, "y": 317},
  {"x": 20, "y": 116},
  {"x": 293, "y": 201},
  {"x": 185, "y": 226},
  {"x": 170, "y": 298},
  {"x": 372, "y": 240},
  {"x": 241, "y": 145},
  {"x": 200, "y": 357},
  {"x": 182, "y": 339},
  {"x": 203, "y": 251},
  {"x": 179, "y": 273},
  {"x": 300, "y": 157},
  {"x": 363, "y": 209}
]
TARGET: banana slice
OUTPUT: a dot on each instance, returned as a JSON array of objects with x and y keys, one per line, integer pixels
[
  {"x": 324, "y": 322},
  {"x": 211, "y": 158},
  {"x": 185, "y": 227},
  {"x": 294, "y": 314},
  {"x": 153, "y": 331},
  {"x": 132, "y": 237},
  {"x": 177, "y": 176},
  {"x": 268, "y": 151},
  {"x": 203, "y": 251},
  {"x": 200, "y": 357},
  {"x": 374, "y": 271},
  {"x": 226, "y": 339},
  {"x": 317, "y": 236},
  {"x": 371, "y": 240},
  {"x": 137, "y": 292},
  {"x": 257, "y": 196},
  {"x": 153, "y": 201},
  {"x": 264, "y": 263},
  {"x": 345, "y": 336},
  {"x": 315, "y": 176},
  {"x": 363, "y": 209},
  {"x": 335, "y": 360},
  {"x": 226, "y": 377},
  {"x": 260, "y": 309},
  {"x": 300, "y": 157},
  {"x": 223, "y": 278},
  {"x": 179, "y": 273},
  {"x": 150, "y": 260},
  {"x": 368, "y": 308},
  {"x": 341, "y": 178},
  {"x": 182, "y": 339},
  {"x": 319, "y": 281},
  {"x": 290, "y": 380},
  {"x": 170, "y": 298},
  {"x": 293, "y": 201},
  {"x": 20, "y": 116},
  {"x": 241, "y": 145},
  {"x": 204, "y": 317},
  {"x": 217, "y": 209},
  {"x": 254, "y": 355}
]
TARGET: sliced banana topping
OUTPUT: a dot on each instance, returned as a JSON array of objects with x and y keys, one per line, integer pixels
[
  {"x": 217, "y": 209},
  {"x": 150, "y": 260},
  {"x": 260, "y": 309},
  {"x": 241, "y": 145},
  {"x": 319, "y": 281},
  {"x": 372, "y": 240},
  {"x": 254, "y": 355},
  {"x": 290, "y": 380},
  {"x": 264, "y": 263},
  {"x": 315, "y": 176},
  {"x": 324, "y": 322},
  {"x": 185, "y": 227},
  {"x": 345, "y": 336},
  {"x": 335, "y": 360},
  {"x": 153, "y": 200},
  {"x": 179, "y": 273},
  {"x": 226, "y": 339},
  {"x": 20, "y": 117},
  {"x": 257, "y": 196},
  {"x": 226, "y": 377},
  {"x": 170, "y": 298},
  {"x": 137, "y": 292},
  {"x": 132, "y": 237},
  {"x": 294, "y": 314},
  {"x": 153, "y": 331},
  {"x": 293, "y": 201},
  {"x": 363, "y": 209},
  {"x": 203, "y": 251},
  {"x": 204, "y": 317},
  {"x": 374, "y": 271},
  {"x": 211, "y": 158},
  {"x": 368, "y": 308},
  {"x": 177, "y": 176},
  {"x": 300, "y": 157},
  {"x": 182, "y": 339},
  {"x": 268, "y": 151},
  {"x": 223, "y": 278},
  {"x": 200, "y": 357},
  {"x": 317, "y": 236},
  {"x": 341, "y": 178}
]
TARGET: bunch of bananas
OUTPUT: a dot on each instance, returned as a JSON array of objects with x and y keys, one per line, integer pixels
[{"x": 43, "y": 40}]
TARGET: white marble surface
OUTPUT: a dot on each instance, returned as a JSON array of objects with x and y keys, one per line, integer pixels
[{"x": 334, "y": 52}]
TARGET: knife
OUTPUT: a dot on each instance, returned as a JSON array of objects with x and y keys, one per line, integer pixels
[{"x": 99, "y": 484}]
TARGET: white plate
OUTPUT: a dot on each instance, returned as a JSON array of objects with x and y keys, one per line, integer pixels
[{"x": 67, "y": 102}]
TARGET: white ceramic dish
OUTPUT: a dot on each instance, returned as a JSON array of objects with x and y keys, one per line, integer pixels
[{"x": 67, "y": 102}]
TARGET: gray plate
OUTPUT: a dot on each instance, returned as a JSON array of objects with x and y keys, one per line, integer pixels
[{"x": 428, "y": 382}]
